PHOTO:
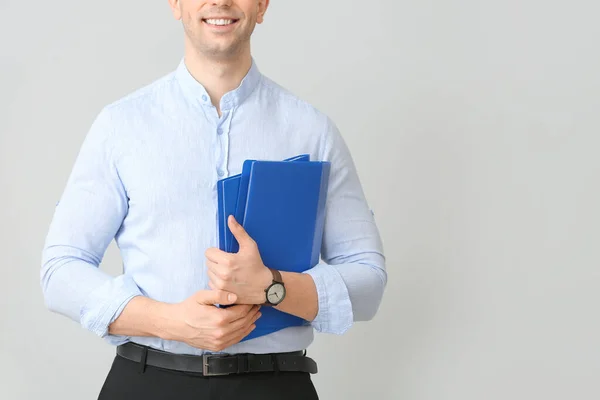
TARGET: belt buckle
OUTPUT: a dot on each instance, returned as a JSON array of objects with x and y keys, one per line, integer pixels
[{"x": 205, "y": 370}]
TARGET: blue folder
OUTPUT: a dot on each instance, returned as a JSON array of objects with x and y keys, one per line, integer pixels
[
  {"x": 228, "y": 190},
  {"x": 281, "y": 205}
]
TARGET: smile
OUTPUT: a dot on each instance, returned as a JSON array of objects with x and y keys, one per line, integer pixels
[{"x": 220, "y": 22}]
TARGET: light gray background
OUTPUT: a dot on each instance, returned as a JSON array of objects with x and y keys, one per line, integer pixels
[{"x": 474, "y": 126}]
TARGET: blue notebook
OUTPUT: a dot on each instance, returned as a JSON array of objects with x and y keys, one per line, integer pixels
[
  {"x": 227, "y": 194},
  {"x": 283, "y": 210}
]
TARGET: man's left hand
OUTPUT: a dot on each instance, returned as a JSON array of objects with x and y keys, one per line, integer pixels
[{"x": 242, "y": 273}]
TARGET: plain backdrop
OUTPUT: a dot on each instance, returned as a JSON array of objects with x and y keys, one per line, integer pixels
[{"x": 474, "y": 125}]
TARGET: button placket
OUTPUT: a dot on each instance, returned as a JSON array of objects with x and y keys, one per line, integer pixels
[
  {"x": 222, "y": 133},
  {"x": 221, "y": 163}
]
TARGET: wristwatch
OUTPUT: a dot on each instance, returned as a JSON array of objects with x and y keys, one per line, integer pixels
[{"x": 275, "y": 293}]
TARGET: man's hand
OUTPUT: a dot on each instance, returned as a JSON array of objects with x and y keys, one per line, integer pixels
[
  {"x": 242, "y": 273},
  {"x": 202, "y": 325}
]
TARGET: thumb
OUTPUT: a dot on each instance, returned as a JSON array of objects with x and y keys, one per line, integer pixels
[
  {"x": 239, "y": 232},
  {"x": 211, "y": 297}
]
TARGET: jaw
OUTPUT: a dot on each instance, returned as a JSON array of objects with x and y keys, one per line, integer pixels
[
  {"x": 218, "y": 39},
  {"x": 219, "y": 47}
]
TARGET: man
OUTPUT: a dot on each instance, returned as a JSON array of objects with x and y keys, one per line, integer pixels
[{"x": 146, "y": 176}]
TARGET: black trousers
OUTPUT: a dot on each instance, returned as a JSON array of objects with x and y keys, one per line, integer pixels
[{"x": 127, "y": 381}]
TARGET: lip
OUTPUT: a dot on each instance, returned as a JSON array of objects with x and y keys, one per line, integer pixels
[
  {"x": 221, "y": 27},
  {"x": 235, "y": 20},
  {"x": 220, "y": 17}
]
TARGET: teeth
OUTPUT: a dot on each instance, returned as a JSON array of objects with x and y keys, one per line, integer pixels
[{"x": 219, "y": 21}]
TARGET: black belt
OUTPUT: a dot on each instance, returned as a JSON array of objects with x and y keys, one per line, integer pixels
[{"x": 219, "y": 364}]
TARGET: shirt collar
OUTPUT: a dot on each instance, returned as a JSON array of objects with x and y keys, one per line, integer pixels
[{"x": 197, "y": 93}]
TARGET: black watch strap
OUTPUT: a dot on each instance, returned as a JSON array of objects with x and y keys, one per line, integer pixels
[{"x": 277, "y": 278}]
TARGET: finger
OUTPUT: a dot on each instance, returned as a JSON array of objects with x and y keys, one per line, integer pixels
[
  {"x": 240, "y": 311},
  {"x": 218, "y": 270},
  {"x": 237, "y": 336},
  {"x": 232, "y": 331},
  {"x": 245, "y": 321},
  {"x": 251, "y": 315},
  {"x": 209, "y": 297},
  {"x": 216, "y": 280},
  {"x": 240, "y": 234},
  {"x": 252, "y": 318},
  {"x": 211, "y": 265},
  {"x": 245, "y": 333},
  {"x": 217, "y": 255}
]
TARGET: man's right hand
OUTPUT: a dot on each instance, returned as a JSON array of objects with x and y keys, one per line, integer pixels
[{"x": 200, "y": 324}]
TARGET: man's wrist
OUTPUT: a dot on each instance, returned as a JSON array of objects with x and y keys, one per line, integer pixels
[
  {"x": 165, "y": 321},
  {"x": 301, "y": 297},
  {"x": 265, "y": 279},
  {"x": 146, "y": 317}
]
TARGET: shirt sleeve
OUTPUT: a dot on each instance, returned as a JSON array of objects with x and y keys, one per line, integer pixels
[
  {"x": 351, "y": 277},
  {"x": 87, "y": 217}
]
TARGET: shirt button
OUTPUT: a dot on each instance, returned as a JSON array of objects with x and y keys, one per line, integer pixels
[
  {"x": 220, "y": 172},
  {"x": 204, "y": 97},
  {"x": 219, "y": 131}
]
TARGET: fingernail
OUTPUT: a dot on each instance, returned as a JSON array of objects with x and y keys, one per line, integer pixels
[{"x": 231, "y": 297}]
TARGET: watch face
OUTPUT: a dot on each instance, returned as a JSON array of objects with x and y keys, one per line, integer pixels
[{"x": 276, "y": 293}]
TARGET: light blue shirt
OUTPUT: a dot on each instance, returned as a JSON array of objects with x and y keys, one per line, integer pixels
[{"x": 146, "y": 177}]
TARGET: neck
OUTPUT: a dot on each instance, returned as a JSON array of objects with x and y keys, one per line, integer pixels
[{"x": 218, "y": 75}]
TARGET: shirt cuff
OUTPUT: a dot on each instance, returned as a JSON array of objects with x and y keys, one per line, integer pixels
[
  {"x": 105, "y": 304},
  {"x": 335, "y": 308}
]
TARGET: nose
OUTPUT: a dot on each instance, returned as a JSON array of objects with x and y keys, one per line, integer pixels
[{"x": 222, "y": 3}]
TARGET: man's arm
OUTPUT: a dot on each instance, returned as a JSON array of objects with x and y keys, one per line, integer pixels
[
  {"x": 195, "y": 321},
  {"x": 301, "y": 298},
  {"x": 347, "y": 285},
  {"x": 86, "y": 219}
]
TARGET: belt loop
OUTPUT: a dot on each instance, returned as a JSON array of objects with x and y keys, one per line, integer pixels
[
  {"x": 143, "y": 360},
  {"x": 275, "y": 363},
  {"x": 242, "y": 362}
]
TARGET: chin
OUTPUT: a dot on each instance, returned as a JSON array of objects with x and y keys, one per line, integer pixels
[{"x": 220, "y": 52}]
